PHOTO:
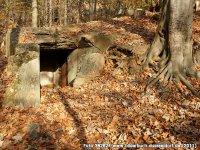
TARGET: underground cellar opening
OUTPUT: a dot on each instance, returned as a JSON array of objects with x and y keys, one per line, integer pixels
[{"x": 53, "y": 67}]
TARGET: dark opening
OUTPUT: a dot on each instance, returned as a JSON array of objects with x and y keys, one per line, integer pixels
[{"x": 53, "y": 67}]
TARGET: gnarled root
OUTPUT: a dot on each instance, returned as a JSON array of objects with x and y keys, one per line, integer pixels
[
  {"x": 173, "y": 45},
  {"x": 164, "y": 74},
  {"x": 167, "y": 76}
]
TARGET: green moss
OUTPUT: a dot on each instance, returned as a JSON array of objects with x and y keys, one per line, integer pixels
[
  {"x": 21, "y": 48},
  {"x": 24, "y": 58},
  {"x": 10, "y": 95}
]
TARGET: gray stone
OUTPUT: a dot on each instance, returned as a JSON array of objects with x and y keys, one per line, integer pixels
[
  {"x": 139, "y": 13},
  {"x": 90, "y": 66},
  {"x": 17, "y": 138},
  {"x": 74, "y": 60},
  {"x": 24, "y": 89},
  {"x": 20, "y": 48},
  {"x": 136, "y": 13},
  {"x": 72, "y": 66},
  {"x": 48, "y": 38},
  {"x": 101, "y": 41}
]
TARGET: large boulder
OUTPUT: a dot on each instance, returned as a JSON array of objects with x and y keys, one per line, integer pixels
[
  {"x": 98, "y": 40},
  {"x": 74, "y": 60},
  {"x": 90, "y": 66},
  {"x": 24, "y": 67},
  {"x": 88, "y": 61}
]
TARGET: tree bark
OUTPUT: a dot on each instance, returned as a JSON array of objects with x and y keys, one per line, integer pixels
[
  {"x": 50, "y": 13},
  {"x": 34, "y": 14},
  {"x": 46, "y": 13},
  {"x": 173, "y": 44},
  {"x": 95, "y": 9},
  {"x": 66, "y": 12},
  {"x": 91, "y": 5}
]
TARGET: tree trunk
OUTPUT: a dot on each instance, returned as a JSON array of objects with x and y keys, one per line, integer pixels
[
  {"x": 58, "y": 13},
  {"x": 173, "y": 44},
  {"x": 50, "y": 13},
  {"x": 95, "y": 9},
  {"x": 46, "y": 14},
  {"x": 53, "y": 11},
  {"x": 91, "y": 5},
  {"x": 66, "y": 12},
  {"x": 79, "y": 17},
  {"x": 34, "y": 14}
]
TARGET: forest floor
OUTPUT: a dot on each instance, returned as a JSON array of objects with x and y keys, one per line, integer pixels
[{"x": 111, "y": 109}]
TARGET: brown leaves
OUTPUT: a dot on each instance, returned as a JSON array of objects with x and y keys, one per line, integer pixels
[
  {"x": 110, "y": 109},
  {"x": 114, "y": 123}
]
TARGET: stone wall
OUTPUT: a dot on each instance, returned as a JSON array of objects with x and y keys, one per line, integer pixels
[{"x": 81, "y": 60}]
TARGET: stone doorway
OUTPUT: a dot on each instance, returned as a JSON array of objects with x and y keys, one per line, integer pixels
[
  {"x": 51, "y": 57},
  {"x": 54, "y": 67}
]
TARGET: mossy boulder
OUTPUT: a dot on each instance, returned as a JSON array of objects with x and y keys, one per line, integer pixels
[{"x": 24, "y": 89}]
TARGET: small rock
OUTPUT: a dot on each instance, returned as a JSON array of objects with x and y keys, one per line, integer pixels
[
  {"x": 17, "y": 138},
  {"x": 125, "y": 103}
]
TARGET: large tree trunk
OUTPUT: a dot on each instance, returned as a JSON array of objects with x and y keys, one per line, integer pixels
[{"x": 173, "y": 44}]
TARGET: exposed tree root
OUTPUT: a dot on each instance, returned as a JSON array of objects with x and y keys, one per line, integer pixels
[
  {"x": 154, "y": 80},
  {"x": 167, "y": 76},
  {"x": 178, "y": 87},
  {"x": 188, "y": 85},
  {"x": 165, "y": 70},
  {"x": 170, "y": 54}
]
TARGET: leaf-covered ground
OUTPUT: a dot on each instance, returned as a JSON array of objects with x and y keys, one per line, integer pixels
[{"x": 111, "y": 109}]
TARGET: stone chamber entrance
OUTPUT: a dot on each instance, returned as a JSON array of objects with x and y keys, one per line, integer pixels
[
  {"x": 54, "y": 67},
  {"x": 53, "y": 58}
]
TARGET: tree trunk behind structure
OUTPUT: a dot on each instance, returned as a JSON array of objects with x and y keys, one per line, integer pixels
[
  {"x": 34, "y": 13},
  {"x": 173, "y": 44}
]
